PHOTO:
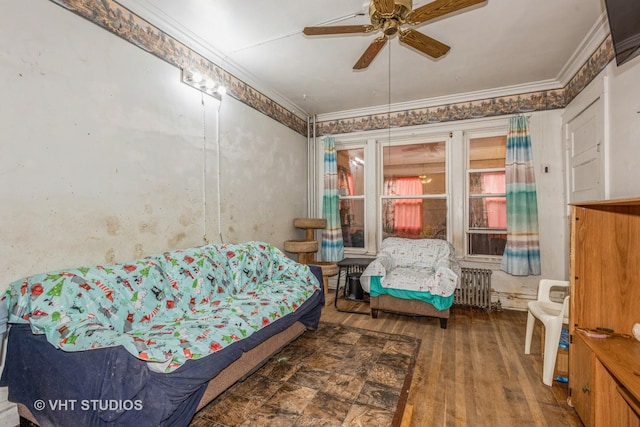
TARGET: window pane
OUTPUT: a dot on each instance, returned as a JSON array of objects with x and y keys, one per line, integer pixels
[
  {"x": 487, "y": 183},
  {"x": 414, "y": 170},
  {"x": 488, "y": 212},
  {"x": 485, "y": 153},
  {"x": 350, "y": 172},
  {"x": 486, "y": 193},
  {"x": 352, "y": 220},
  {"x": 351, "y": 191},
  {"x": 421, "y": 166},
  {"x": 487, "y": 244},
  {"x": 414, "y": 218}
]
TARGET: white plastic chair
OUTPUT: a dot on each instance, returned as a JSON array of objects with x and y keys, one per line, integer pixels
[{"x": 552, "y": 315}]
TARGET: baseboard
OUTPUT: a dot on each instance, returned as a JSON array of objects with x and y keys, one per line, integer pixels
[
  {"x": 519, "y": 301},
  {"x": 512, "y": 301}
]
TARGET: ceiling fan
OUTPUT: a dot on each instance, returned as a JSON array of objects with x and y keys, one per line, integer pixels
[{"x": 389, "y": 16}]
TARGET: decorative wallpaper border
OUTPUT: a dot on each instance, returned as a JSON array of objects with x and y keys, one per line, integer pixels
[
  {"x": 590, "y": 69},
  {"x": 535, "y": 101},
  {"x": 121, "y": 21}
]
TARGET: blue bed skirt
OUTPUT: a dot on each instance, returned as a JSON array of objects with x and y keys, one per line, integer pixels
[{"x": 111, "y": 387}]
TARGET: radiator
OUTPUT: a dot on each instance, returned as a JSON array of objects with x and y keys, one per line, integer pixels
[{"x": 475, "y": 288}]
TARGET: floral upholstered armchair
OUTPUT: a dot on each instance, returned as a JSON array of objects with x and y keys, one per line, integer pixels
[{"x": 414, "y": 269}]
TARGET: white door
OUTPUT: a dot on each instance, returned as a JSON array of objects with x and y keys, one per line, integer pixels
[{"x": 585, "y": 154}]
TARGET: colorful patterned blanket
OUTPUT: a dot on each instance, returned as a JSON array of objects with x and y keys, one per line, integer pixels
[{"x": 166, "y": 308}]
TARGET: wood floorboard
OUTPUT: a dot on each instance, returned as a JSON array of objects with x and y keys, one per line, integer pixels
[{"x": 474, "y": 373}]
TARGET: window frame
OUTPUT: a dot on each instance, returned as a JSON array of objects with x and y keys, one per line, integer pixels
[
  {"x": 468, "y": 136},
  {"x": 455, "y": 133},
  {"x": 354, "y": 142},
  {"x": 426, "y": 138},
  {"x": 366, "y": 168}
]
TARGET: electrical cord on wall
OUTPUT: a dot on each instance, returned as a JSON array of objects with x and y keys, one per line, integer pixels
[
  {"x": 204, "y": 170},
  {"x": 218, "y": 172}
]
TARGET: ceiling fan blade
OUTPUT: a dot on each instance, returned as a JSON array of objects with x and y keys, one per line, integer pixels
[
  {"x": 371, "y": 52},
  {"x": 384, "y": 7},
  {"x": 424, "y": 44},
  {"x": 436, "y": 9},
  {"x": 337, "y": 29}
]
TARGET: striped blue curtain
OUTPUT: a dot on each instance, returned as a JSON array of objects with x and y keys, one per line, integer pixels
[
  {"x": 522, "y": 252},
  {"x": 332, "y": 246}
]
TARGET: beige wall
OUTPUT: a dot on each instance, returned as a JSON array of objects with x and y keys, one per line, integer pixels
[
  {"x": 624, "y": 129},
  {"x": 107, "y": 156}
]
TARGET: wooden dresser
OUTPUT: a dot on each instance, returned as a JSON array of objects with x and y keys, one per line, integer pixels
[{"x": 604, "y": 373}]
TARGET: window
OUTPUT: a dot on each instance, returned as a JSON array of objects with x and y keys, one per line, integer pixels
[
  {"x": 445, "y": 181},
  {"x": 351, "y": 193},
  {"x": 486, "y": 189},
  {"x": 414, "y": 199}
]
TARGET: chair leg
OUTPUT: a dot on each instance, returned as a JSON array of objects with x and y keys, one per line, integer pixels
[
  {"x": 443, "y": 323},
  {"x": 531, "y": 320},
  {"x": 551, "y": 341}
]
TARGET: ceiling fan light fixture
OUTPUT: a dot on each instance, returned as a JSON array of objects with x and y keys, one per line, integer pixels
[
  {"x": 424, "y": 179},
  {"x": 379, "y": 10},
  {"x": 390, "y": 27},
  {"x": 389, "y": 16}
]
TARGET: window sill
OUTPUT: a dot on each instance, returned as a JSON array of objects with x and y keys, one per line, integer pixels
[
  {"x": 481, "y": 262},
  {"x": 355, "y": 252}
]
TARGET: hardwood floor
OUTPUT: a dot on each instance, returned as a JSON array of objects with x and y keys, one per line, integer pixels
[{"x": 475, "y": 372}]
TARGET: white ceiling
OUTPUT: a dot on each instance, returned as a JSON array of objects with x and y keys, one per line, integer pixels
[{"x": 497, "y": 44}]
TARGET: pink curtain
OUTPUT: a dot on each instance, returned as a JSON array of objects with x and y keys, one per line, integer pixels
[
  {"x": 495, "y": 206},
  {"x": 408, "y": 212}
]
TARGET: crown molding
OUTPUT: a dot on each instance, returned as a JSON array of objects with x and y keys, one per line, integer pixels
[{"x": 598, "y": 32}]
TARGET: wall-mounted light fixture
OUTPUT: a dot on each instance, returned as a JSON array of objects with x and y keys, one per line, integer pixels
[{"x": 204, "y": 83}]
